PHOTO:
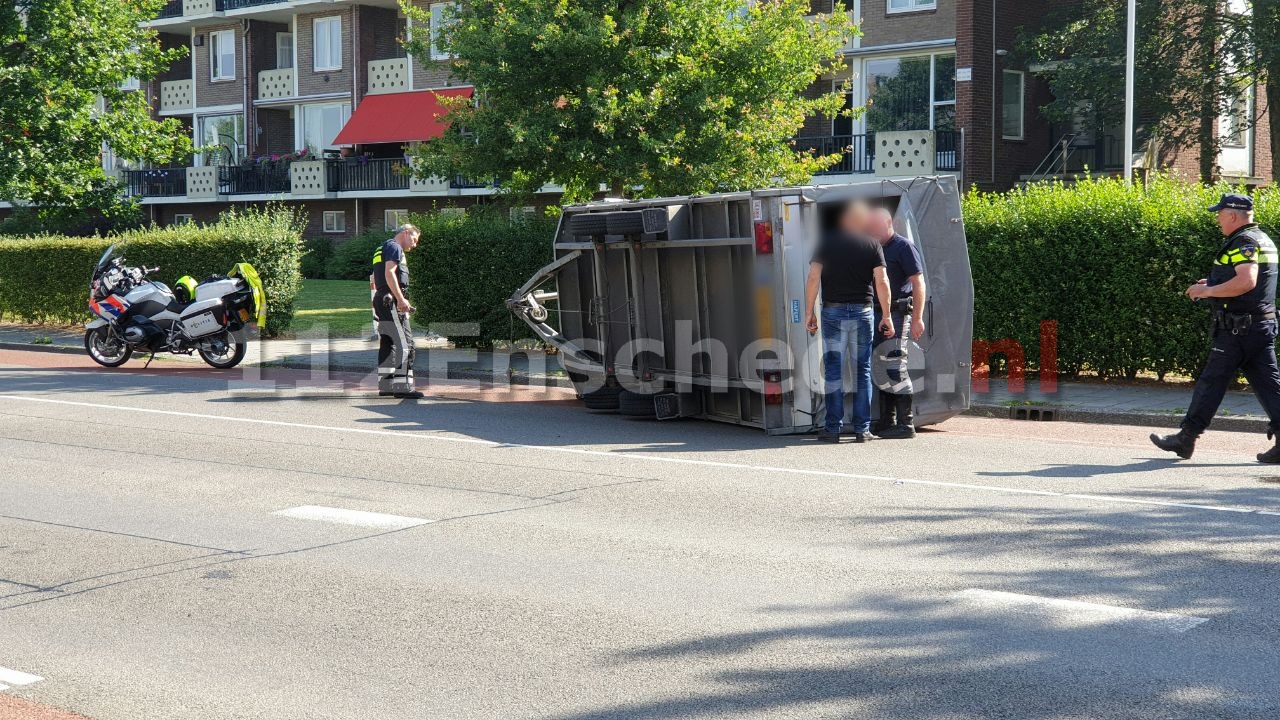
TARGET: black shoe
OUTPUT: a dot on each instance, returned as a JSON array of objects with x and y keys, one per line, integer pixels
[
  {"x": 897, "y": 432},
  {"x": 385, "y": 393},
  {"x": 828, "y": 437},
  {"x": 880, "y": 426},
  {"x": 1272, "y": 456},
  {"x": 1182, "y": 443},
  {"x": 412, "y": 395},
  {"x": 861, "y": 437}
]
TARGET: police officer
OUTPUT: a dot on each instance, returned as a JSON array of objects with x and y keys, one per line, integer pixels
[
  {"x": 1241, "y": 289},
  {"x": 906, "y": 285},
  {"x": 392, "y": 309}
]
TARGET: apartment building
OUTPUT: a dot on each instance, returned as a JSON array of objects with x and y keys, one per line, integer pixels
[{"x": 266, "y": 78}]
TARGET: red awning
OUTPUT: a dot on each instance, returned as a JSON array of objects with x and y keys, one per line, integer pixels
[{"x": 398, "y": 117}]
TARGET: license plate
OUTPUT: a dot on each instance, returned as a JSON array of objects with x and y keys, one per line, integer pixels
[{"x": 202, "y": 324}]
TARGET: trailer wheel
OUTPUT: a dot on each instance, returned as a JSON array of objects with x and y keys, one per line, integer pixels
[
  {"x": 605, "y": 398},
  {"x": 636, "y": 405},
  {"x": 589, "y": 225}
]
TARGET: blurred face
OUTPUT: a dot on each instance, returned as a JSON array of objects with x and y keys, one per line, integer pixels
[
  {"x": 1231, "y": 220},
  {"x": 854, "y": 218},
  {"x": 882, "y": 226},
  {"x": 407, "y": 240}
]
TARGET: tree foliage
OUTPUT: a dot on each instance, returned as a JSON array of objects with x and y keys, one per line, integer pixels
[
  {"x": 62, "y": 65},
  {"x": 1193, "y": 59},
  {"x": 652, "y": 97}
]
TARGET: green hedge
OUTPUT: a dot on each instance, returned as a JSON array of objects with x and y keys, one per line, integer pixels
[
  {"x": 46, "y": 278},
  {"x": 465, "y": 268},
  {"x": 316, "y": 257},
  {"x": 353, "y": 259},
  {"x": 1108, "y": 261}
]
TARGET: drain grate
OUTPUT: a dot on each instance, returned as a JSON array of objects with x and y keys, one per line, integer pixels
[{"x": 1028, "y": 413}]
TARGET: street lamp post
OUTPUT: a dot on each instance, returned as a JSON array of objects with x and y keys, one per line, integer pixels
[{"x": 1129, "y": 61}]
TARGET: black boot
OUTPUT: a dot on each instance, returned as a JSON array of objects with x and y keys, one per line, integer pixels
[
  {"x": 1183, "y": 443},
  {"x": 888, "y": 414},
  {"x": 1271, "y": 456},
  {"x": 904, "y": 429}
]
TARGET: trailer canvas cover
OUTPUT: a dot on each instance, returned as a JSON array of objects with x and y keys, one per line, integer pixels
[{"x": 696, "y": 303}]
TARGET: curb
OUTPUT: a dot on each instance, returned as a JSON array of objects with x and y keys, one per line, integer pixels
[
  {"x": 1163, "y": 420},
  {"x": 33, "y": 347}
]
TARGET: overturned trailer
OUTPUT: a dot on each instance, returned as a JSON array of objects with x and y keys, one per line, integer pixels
[{"x": 693, "y": 306}]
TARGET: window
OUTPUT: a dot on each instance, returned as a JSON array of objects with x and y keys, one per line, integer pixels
[
  {"x": 335, "y": 221},
  {"x": 222, "y": 55},
  {"x": 130, "y": 84},
  {"x": 897, "y": 6},
  {"x": 441, "y": 18},
  {"x": 523, "y": 213},
  {"x": 222, "y": 137},
  {"x": 327, "y": 49},
  {"x": 391, "y": 219},
  {"x": 284, "y": 50},
  {"x": 182, "y": 219},
  {"x": 452, "y": 212},
  {"x": 1014, "y": 82},
  {"x": 1235, "y": 121},
  {"x": 322, "y": 123},
  {"x": 911, "y": 93}
]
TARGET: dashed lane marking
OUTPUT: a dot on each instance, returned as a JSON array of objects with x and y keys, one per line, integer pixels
[
  {"x": 9, "y": 678},
  {"x": 1079, "y": 613},
  {"x": 358, "y": 518}
]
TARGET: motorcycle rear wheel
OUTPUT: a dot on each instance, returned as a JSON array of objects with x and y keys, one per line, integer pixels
[
  {"x": 106, "y": 349},
  {"x": 231, "y": 356}
]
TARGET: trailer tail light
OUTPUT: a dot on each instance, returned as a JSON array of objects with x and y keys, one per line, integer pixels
[
  {"x": 764, "y": 238},
  {"x": 773, "y": 387}
]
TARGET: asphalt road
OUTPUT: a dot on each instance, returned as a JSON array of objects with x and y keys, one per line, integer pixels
[{"x": 169, "y": 549}]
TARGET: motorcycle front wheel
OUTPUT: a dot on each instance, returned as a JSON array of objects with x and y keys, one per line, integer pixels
[
  {"x": 106, "y": 348},
  {"x": 227, "y": 352}
]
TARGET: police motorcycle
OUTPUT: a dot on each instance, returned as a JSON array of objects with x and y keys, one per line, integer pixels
[{"x": 138, "y": 314}]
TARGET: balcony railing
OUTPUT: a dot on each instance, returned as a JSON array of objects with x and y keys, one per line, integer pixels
[
  {"x": 262, "y": 179},
  {"x": 241, "y": 4},
  {"x": 171, "y": 9},
  {"x": 156, "y": 182},
  {"x": 857, "y": 152},
  {"x": 362, "y": 175}
]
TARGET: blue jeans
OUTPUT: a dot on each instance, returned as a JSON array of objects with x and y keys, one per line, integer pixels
[{"x": 847, "y": 328}]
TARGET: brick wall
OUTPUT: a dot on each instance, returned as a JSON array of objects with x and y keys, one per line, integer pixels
[
  {"x": 324, "y": 82},
  {"x": 1262, "y": 138},
  {"x": 381, "y": 30},
  {"x": 202, "y": 213},
  {"x": 277, "y": 132},
  {"x": 223, "y": 92},
  {"x": 879, "y": 27},
  {"x": 428, "y": 73},
  {"x": 975, "y": 99},
  {"x": 816, "y": 125}
]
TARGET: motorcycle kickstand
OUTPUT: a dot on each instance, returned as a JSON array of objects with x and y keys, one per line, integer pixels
[{"x": 153, "y": 357}]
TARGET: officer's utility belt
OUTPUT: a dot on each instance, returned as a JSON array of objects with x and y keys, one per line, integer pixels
[
  {"x": 1239, "y": 323},
  {"x": 904, "y": 305}
]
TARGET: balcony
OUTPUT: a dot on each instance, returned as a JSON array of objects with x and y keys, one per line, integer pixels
[
  {"x": 857, "y": 152},
  {"x": 176, "y": 96},
  {"x": 242, "y": 4},
  {"x": 388, "y": 76},
  {"x": 156, "y": 182},
  {"x": 361, "y": 175},
  {"x": 275, "y": 84}
]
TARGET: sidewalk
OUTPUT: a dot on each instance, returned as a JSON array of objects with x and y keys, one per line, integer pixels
[{"x": 1095, "y": 402}]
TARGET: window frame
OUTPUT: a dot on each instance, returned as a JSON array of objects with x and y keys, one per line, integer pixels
[
  {"x": 183, "y": 219},
  {"x": 334, "y": 229},
  {"x": 933, "y": 102},
  {"x": 315, "y": 44},
  {"x": 912, "y": 6},
  {"x": 400, "y": 216},
  {"x": 437, "y": 20},
  {"x": 1235, "y": 121},
  {"x": 1022, "y": 105},
  {"x": 300, "y": 129},
  {"x": 215, "y": 56},
  {"x": 240, "y": 150},
  {"x": 279, "y": 47}
]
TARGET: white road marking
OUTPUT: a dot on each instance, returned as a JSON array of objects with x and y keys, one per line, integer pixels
[
  {"x": 13, "y": 677},
  {"x": 648, "y": 457},
  {"x": 1080, "y": 613},
  {"x": 352, "y": 517}
]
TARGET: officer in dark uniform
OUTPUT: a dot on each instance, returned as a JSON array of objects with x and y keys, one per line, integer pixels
[
  {"x": 391, "y": 308},
  {"x": 1241, "y": 289},
  {"x": 892, "y": 374}
]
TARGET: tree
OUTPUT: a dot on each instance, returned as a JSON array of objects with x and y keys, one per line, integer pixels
[
  {"x": 1266, "y": 31},
  {"x": 1193, "y": 60},
  {"x": 62, "y": 65},
  {"x": 647, "y": 97}
]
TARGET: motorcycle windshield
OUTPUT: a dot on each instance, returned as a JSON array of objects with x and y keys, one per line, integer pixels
[{"x": 106, "y": 255}]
